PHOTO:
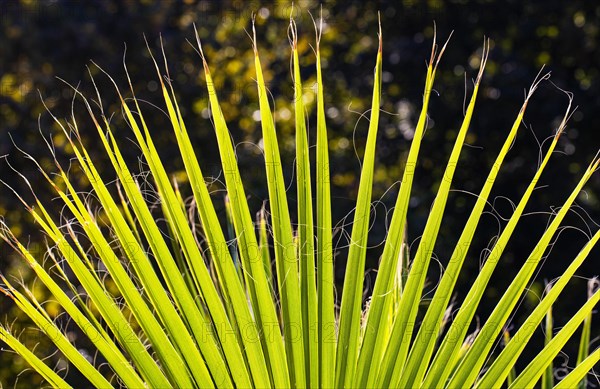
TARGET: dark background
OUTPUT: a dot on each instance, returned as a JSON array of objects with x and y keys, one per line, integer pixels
[{"x": 40, "y": 41}]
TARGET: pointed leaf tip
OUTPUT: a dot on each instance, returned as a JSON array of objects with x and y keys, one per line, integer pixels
[
  {"x": 380, "y": 33},
  {"x": 253, "y": 37},
  {"x": 200, "y": 51}
]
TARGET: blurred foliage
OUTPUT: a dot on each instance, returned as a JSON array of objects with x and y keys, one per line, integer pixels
[{"x": 40, "y": 40}]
